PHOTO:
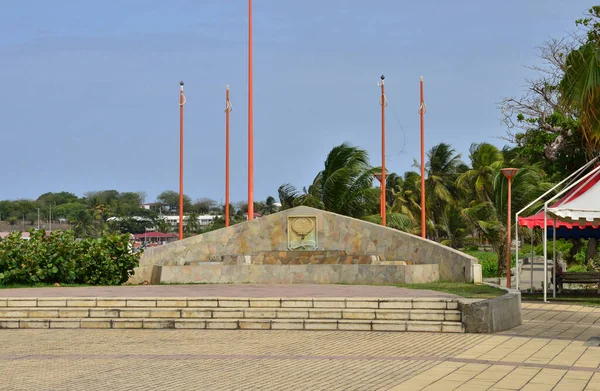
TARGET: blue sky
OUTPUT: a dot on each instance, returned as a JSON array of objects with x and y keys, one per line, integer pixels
[{"x": 89, "y": 95}]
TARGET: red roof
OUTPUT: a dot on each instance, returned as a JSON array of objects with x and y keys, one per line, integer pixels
[
  {"x": 537, "y": 220},
  {"x": 154, "y": 235}
]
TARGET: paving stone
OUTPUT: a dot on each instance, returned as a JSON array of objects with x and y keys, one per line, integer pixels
[
  {"x": 203, "y": 303},
  {"x": 9, "y": 324},
  {"x": 234, "y": 303},
  {"x": 260, "y": 313},
  {"x": 158, "y": 324},
  {"x": 190, "y": 324},
  {"x": 81, "y": 302},
  {"x": 17, "y": 302},
  {"x": 268, "y": 303},
  {"x": 114, "y": 303},
  {"x": 165, "y": 313},
  {"x": 362, "y": 303},
  {"x": 423, "y": 326},
  {"x": 248, "y": 324},
  {"x": 320, "y": 324},
  {"x": 358, "y": 314},
  {"x": 65, "y": 323},
  {"x": 325, "y": 314},
  {"x": 297, "y": 303},
  {"x": 287, "y": 324},
  {"x": 34, "y": 324},
  {"x": 42, "y": 313},
  {"x": 51, "y": 302},
  {"x": 127, "y": 323},
  {"x": 196, "y": 313},
  {"x": 395, "y": 304},
  {"x": 95, "y": 323},
  {"x": 73, "y": 312},
  {"x": 104, "y": 313},
  {"x": 141, "y": 302},
  {"x": 354, "y": 325},
  {"x": 13, "y": 313},
  {"x": 222, "y": 324}
]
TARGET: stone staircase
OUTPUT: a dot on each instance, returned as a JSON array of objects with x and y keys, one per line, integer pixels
[{"x": 358, "y": 314}]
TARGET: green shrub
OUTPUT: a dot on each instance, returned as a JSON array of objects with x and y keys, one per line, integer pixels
[
  {"x": 577, "y": 268},
  {"x": 472, "y": 248},
  {"x": 60, "y": 258}
]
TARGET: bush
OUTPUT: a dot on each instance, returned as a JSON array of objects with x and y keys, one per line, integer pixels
[
  {"x": 577, "y": 269},
  {"x": 60, "y": 258}
]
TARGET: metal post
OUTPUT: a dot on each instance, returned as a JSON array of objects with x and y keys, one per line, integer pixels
[
  {"x": 517, "y": 248},
  {"x": 250, "y": 120},
  {"x": 545, "y": 241},
  {"x": 422, "y": 116},
  {"x": 508, "y": 231},
  {"x": 383, "y": 202},
  {"x": 531, "y": 263},
  {"x": 227, "y": 111},
  {"x": 554, "y": 259},
  {"x": 181, "y": 103}
]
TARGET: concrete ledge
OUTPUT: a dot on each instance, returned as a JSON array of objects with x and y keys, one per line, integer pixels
[
  {"x": 298, "y": 274},
  {"x": 492, "y": 315}
]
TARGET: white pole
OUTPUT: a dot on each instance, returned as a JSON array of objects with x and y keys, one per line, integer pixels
[
  {"x": 541, "y": 197},
  {"x": 531, "y": 263},
  {"x": 554, "y": 259},
  {"x": 516, "y": 247},
  {"x": 50, "y": 218},
  {"x": 545, "y": 253}
]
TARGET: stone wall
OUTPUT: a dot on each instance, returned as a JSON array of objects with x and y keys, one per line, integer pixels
[
  {"x": 295, "y": 274},
  {"x": 341, "y": 240}
]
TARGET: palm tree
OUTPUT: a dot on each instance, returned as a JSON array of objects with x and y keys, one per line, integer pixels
[
  {"x": 580, "y": 88},
  {"x": 443, "y": 167},
  {"x": 192, "y": 225},
  {"x": 269, "y": 206},
  {"x": 486, "y": 159},
  {"x": 344, "y": 186},
  {"x": 489, "y": 216}
]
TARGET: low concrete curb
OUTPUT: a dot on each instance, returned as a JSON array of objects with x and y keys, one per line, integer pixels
[{"x": 492, "y": 315}]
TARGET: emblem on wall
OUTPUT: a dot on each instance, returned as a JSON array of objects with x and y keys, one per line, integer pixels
[{"x": 302, "y": 233}]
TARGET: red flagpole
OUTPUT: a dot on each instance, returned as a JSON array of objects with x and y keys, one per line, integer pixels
[
  {"x": 227, "y": 111},
  {"x": 250, "y": 120},
  {"x": 422, "y": 115},
  {"x": 181, "y": 103},
  {"x": 383, "y": 195}
]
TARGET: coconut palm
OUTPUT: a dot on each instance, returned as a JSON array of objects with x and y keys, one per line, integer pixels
[
  {"x": 490, "y": 216},
  {"x": 344, "y": 186},
  {"x": 486, "y": 159}
]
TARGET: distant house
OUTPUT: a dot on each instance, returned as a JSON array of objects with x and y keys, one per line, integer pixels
[{"x": 155, "y": 237}]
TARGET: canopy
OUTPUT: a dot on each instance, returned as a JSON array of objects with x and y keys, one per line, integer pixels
[
  {"x": 581, "y": 191},
  {"x": 582, "y": 210}
]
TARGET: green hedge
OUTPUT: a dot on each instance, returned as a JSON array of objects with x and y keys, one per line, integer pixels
[{"x": 60, "y": 258}]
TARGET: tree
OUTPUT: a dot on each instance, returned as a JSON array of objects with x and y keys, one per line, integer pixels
[
  {"x": 192, "y": 225},
  {"x": 57, "y": 198},
  {"x": 171, "y": 198},
  {"x": 344, "y": 186},
  {"x": 269, "y": 206},
  {"x": 486, "y": 159},
  {"x": 580, "y": 85},
  {"x": 204, "y": 205},
  {"x": 490, "y": 216}
]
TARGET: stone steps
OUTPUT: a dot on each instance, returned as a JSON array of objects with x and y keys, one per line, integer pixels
[
  {"x": 404, "y": 314},
  {"x": 231, "y": 324}
]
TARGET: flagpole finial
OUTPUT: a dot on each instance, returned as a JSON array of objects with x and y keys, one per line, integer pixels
[
  {"x": 421, "y": 78},
  {"x": 227, "y": 86}
]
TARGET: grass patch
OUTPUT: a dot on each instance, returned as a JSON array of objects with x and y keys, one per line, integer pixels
[
  {"x": 463, "y": 289},
  {"x": 574, "y": 299},
  {"x": 40, "y": 285}
]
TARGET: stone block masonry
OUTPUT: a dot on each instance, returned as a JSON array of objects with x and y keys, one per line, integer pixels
[{"x": 258, "y": 251}]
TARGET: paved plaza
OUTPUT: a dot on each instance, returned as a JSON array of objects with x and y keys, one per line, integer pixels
[{"x": 548, "y": 352}]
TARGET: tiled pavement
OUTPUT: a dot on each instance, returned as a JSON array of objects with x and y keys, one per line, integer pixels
[{"x": 550, "y": 357}]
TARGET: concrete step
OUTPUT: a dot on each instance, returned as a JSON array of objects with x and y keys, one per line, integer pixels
[
  {"x": 232, "y": 324},
  {"x": 231, "y": 302},
  {"x": 230, "y": 313}
]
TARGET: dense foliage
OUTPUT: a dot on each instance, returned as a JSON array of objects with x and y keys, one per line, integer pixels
[{"x": 60, "y": 258}]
